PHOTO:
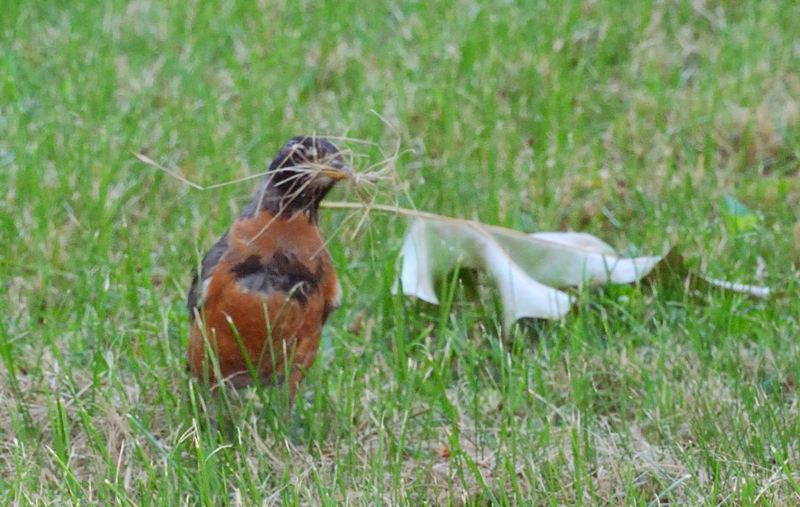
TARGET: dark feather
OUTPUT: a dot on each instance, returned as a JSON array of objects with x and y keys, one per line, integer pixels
[{"x": 281, "y": 273}]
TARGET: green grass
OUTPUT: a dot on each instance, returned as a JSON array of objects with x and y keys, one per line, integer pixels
[{"x": 630, "y": 120}]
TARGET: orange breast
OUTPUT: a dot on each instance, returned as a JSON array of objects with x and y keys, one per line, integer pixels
[{"x": 265, "y": 303}]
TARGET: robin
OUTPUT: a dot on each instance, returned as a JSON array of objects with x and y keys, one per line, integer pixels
[{"x": 266, "y": 288}]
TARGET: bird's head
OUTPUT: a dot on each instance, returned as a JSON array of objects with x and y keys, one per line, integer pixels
[
  {"x": 306, "y": 161},
  {"x": 301, "y": 175}
]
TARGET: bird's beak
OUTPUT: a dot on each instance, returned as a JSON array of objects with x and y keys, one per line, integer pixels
[{"x": 338, "y": 171}]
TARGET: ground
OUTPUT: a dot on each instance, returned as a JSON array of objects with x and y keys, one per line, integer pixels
[{"x": 646, "y": 123}]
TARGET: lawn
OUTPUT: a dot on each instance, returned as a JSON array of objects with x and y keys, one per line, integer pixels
[{"x": 646, "y": 123}]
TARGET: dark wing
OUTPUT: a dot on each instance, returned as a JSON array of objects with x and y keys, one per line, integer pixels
[{"x": 207, "y": 267}]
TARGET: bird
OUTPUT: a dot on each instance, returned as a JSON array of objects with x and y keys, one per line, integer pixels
[{"x": 262, "y": 293}]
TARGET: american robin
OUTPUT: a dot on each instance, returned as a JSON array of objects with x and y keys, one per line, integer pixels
[{"x": 265, "y": 289}]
